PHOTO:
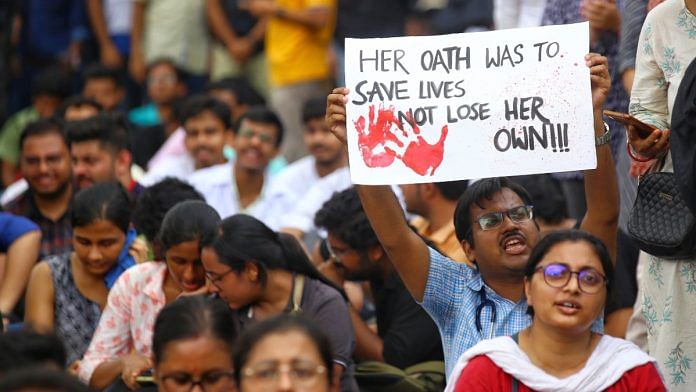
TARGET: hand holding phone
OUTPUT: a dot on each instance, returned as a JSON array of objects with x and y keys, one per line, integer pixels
[{"x": 644, "y": 130}]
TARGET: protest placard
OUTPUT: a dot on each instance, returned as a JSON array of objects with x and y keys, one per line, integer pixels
[{"x": 474, "y": 105}]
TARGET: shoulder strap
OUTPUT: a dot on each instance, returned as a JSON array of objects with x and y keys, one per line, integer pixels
[
  {"x": 297, "y": 290},
  {"x": 515, "y": 383}
]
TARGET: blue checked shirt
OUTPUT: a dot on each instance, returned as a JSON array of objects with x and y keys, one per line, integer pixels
[{"x": 451, "y": 296}]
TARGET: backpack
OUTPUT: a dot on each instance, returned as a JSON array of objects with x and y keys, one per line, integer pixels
[{"x": 375, "y": 376}]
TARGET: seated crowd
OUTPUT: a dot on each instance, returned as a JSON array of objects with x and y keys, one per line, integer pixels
[{"x": 208, "y": 240}]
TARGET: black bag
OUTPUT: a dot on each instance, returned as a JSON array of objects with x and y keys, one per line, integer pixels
[{"x": 661, "y": 223}]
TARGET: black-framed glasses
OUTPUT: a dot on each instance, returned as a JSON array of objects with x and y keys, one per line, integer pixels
[
  {"x": 212, "y": 381},
  {"x": 557, "y": 275},
  {"x": 517, "y": 214},
  {"x": 266, "y": 375},
  {"x": 216, "y": 279}
]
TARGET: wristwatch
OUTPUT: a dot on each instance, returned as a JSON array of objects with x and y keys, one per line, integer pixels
[{"x": 605, "y": 138}]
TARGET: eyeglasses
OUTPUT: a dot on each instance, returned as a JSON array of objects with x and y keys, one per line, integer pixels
[
  {"x": 494, "y": 219},
  {"x": 213, "y": 381},
  {"x": 590, "y": 281},
  {"x": 267, "y": 375},
  {"x": 250, "y": 134},
  {"x": 216, "y": 279}
]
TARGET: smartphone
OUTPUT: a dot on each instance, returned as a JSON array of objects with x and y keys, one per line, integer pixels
[{"x": 644, "y": 130}]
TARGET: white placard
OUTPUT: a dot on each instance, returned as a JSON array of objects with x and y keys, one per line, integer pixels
[{"x": 474, "y": 105}]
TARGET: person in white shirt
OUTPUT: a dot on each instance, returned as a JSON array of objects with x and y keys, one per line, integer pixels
[
  {"x": 241, "y": 186},
  {"x": 326, "y": 156},
  {"x": 207, "y": 126}
]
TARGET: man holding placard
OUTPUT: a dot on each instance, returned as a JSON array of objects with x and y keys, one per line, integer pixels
[{"x": 494, "y": 224}]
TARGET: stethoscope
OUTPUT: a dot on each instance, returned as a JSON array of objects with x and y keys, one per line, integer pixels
[{"x": 479, "y": 309}]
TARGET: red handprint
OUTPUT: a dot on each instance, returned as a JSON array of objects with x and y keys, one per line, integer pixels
[{"x": 380, "y": 142}]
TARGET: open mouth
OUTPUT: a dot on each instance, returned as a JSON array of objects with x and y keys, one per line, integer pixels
[
  {"x": 514, "y": 244},
  {"x": 568, "y": 307}
]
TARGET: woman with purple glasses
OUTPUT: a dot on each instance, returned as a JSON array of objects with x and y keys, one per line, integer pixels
[{"x": 567, "y": 279}]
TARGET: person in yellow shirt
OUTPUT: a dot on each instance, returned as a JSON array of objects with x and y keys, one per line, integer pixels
[
  {"x": 298, "y": 38},
  {"x": 434, "y": 203}
]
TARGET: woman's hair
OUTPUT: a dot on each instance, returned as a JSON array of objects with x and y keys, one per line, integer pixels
[
  {"x": 187, "y": 221},
  {"x": 190, "y": 318},
  {"x": 561, "y": 236},
  {"x": 102, "y": 201},
  {"x": 279, "y": 325},
  {"x": 243, "y": 238}
]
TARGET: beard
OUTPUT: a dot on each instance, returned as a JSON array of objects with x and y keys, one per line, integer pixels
[{"x": 55, "y": 194}]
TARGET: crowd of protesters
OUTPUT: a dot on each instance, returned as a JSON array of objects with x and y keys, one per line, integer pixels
[{"x": 177, "y": 212}]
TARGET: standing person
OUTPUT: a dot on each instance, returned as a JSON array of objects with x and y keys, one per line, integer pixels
[
  {"x": 67, "y": 292},
  {"x": 667, "y": 46},
  {"x": 567, "y": 281},
  {"x": 121, "y": 348},
  {"x": 45, "y": 164},
  {"x": 192, "y": 345},
  {"x": 261, "y": 273},
  {"x": 284, "y": 353},
  {"x": 298, "y": 38},
  {"x": 493, "y": 222},
  {"x": 239, "y": 50},
  {"x": 173, "y": 29}
]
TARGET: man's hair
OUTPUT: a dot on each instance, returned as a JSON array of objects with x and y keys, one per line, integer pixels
[
  {"x": 452, "y": 190},
  {"x": 27, "y": 347},
  {"x": 100, "y": 71},
  {"x": 475, "y": 194},
  {"x": 42, "y": 127},
  {"x": 109, "y": 130},
  {"x": 264, "y": 115},
  {"x": 549, "y": 203},
  {"x": 198, "y": 104},
  {"x": 155, "y": 201},
  {"x": 78, "y": 101},
  {"x": 242, "y": 90},
  {"x": 315, "y": 107},
  {"x": 181, "y": 75},
  {"x": 344, "y": 217},
  {"x": 40, "y": 378},
  {"x": 52, "y": 82}
]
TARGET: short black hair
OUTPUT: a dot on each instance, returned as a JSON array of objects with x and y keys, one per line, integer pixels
[
  {"x": 27, "y": 347},
  {"x": 192, "y": 317},
  {"x": 452, "y": 190},
  {"x": 198, "y": 104},
  {"x": 77, "y": 101},
  {"x": 240, "y": 87},
  {"x": 314, "y": 107},
  {"x": 181, "y": 75},
  {"x": 573, "y": 235},
  {"x": 109, "y": 129},
  {"x": 264, "y": 115},
  {"x": 42, "y": 127},
  {"x": 41, "y": 378},
  {"x": 101, "y": 71},
  {"x": 344, "y": 217},
  {"x": 549, "y": 203},
  {"x": 279, "y": 325},
  {"x": 475, "y": 194},
  {"x": 106, "y": 201},
  {"x": 152, "y": 205},
  {"x": 52, "y": 82}
]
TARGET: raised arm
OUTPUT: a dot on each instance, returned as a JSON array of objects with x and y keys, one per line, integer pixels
[
  {"x": 406, "y": 249},
  {"x": 601, "y": 189}
]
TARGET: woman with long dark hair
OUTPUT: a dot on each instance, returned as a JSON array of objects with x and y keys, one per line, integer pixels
[
  {"x": 261, "y": 274},
  {"x": 122, "y": 344}
]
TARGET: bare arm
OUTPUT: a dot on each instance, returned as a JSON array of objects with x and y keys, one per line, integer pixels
[
  {"x": 408, "y": 252},
  {"x": 314, "y": 18},
  {"x": 40, "y": 299},
  {"x": 368, "y": 345},
  {"x": 21, "y": 258},
  {"x": 601, "y": 189},
  {"x": 137, "y": 60},
  {"x": 218, "y": 23}
]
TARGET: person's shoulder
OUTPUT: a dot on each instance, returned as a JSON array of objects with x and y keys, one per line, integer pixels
[
  {"x": 319, "y": 293},
  {"x": 664, "y": 14},
  {"x": 482, "y": 372},
  {"x": 141, "y": 274}
]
